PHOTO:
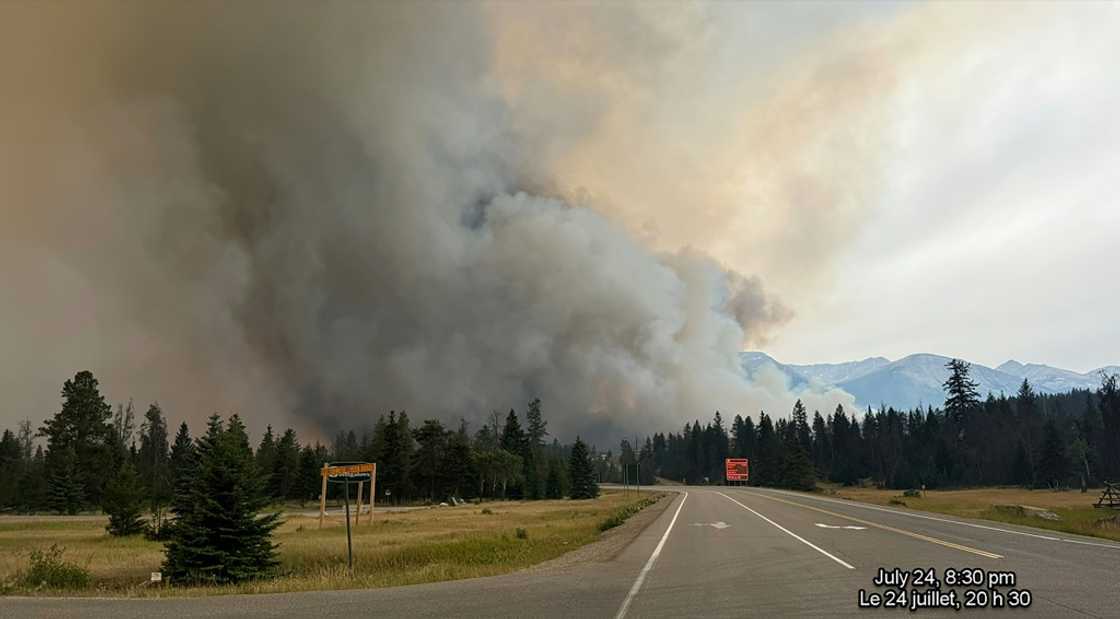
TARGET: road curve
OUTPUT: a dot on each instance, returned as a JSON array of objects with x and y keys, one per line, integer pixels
[{"x": 714, "y": 552}]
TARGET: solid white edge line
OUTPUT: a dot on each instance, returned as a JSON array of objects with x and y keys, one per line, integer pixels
[
  {"x": 791, "y": 534},
  {"x": 945, "y": 520},
  {"x": 649, "y": 563}
]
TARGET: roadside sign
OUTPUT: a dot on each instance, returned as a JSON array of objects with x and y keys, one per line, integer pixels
[{"x": 737, "y": 469}]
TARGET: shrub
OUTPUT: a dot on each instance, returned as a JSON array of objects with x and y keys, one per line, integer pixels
[
  {"x": 48, "y": 570},
  {"x": 897, "y": 502},
  {"x": 522, "y": 533},
  {"x": 487, "y": 511},
  {"x": 912, "y": 492}
]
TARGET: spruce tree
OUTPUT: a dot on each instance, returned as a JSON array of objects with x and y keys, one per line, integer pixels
[
  {"x": 310, "y": 475},
  {"x": 123, "y": 502},
  {"x": 554, "y": 488},
  {"x": 183, "y": 465},
  {"x": 154, "y": 465},
  {"x": 1022, "y": 469},
  {"x": 1053, "y": 464},
  {"x": 960, "y": 391},
  {"x": 582, "y": 472},
  {"x": 65, "y": 493},
  {"x": 285, "y": 469},
  {"x": 223, "y": 538},
  {"x": 79, "y": 444}
]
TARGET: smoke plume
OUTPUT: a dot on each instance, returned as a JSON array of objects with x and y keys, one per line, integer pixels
[{"x": 311, "y": 213}]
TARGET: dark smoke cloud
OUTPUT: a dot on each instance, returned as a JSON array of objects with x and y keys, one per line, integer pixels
[{"x": 313, "y": 213}]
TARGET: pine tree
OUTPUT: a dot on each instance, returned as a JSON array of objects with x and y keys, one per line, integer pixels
[
  {"x": 459, "y": 465},
  {"x": 11, "y": 467},
  {"x": 427, "y": 466},
  {"x": 1022, "y": 469},
  {"x": 1108, "y": 401},
  {"x": 123, "y": 502},
  {"x": 223, "y": 538},
  {"x": 183, "y": 467},
  {"x": 554, "y": 488},
  {"x": 310, "y": 475},
  {"x": 1053, "y": 465},
  {"x": 535, "y": 470},
  {"x": 64, "y": 487},
  {"x": 266, "y": 457},
  {"x": 32, "y": 488},
  {"x": 285, "y": 468},
  {"x": 154, "y": 465},
  {"x": 537, "y": 427},
  {"x": 960, "y": 390},
  {"x": 582, "y": 473},
  {"x": 79, "y": 439},
  {"x": 765, "y": 466}
]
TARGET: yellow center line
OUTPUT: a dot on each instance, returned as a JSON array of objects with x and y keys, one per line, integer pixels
[{"x": 926, "y": 538}]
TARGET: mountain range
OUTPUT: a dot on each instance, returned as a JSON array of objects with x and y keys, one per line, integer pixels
[{"x": 916, "y": 380}]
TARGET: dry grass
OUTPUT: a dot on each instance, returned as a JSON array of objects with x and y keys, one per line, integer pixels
[
  {"x": 1075, "y": 509},
  {"x": 429, "y": 545}
]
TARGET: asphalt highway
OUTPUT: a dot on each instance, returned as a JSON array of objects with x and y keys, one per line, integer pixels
[{"x": 725, "y": 552}]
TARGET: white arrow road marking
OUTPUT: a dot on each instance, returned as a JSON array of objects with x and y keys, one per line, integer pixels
[
  {"x": 717, "y": 525},
  {"x": 833, "y": 526}
]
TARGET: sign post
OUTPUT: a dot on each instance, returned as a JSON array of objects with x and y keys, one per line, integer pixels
[
  {"x": 737, "y": 470},
  {"x": 346, "y": 473}
]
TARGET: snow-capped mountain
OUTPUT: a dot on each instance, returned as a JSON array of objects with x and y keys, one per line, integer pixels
[{"x": 917, "y": 380}]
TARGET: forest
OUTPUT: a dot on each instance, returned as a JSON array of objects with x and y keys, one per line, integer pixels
[{"x": 1027, "y": 439}]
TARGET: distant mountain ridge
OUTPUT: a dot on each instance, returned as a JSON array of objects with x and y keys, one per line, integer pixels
[{"x": 916, "y": 380}]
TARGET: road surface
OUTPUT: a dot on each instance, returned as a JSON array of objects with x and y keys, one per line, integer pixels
[{"x": 713, "y": 552}]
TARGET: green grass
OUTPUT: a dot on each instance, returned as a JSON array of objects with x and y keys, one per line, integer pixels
[
  {"x": 398, "y": 548},
  {"x": 623, "y": 513}
]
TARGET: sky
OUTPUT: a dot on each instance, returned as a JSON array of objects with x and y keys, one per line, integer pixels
[{"x": 312, "y": 216}]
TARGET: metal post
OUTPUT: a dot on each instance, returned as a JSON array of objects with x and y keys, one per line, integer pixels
[
  {"x": 349, "y": 544},
  {"x": 323, "y": 496},
  {"x": 638, "y": 473},
  {"x": 358, "y": 513}
]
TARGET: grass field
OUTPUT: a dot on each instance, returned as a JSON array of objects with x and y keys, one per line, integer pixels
[
  {"x": 400, "y": 548},
  {"x": 1074, "y": 508}
]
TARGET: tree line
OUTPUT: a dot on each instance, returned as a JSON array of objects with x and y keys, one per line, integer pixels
[
  {"x": 213, "y": 498},
  {"x": 1028, "y": 439}
]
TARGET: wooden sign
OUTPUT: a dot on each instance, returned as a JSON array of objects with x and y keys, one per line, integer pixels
[{"x": 367, "y": 471}]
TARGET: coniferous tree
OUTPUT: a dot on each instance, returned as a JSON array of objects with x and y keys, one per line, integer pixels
[
  {"x": 1023, "y": 470},
  {"x": 765, "y": 467},
  {"x": 428, "y": 461},
  {"x": 266, "y": 456},
  {"x": 223, "y": 538},
  {"x": 960, "y": 390},
  {"x": 79, "y": 444},
  {"x": 32, "y": 488},
  {"x": 1053, "y": 464},
  {"x": 65, "y": 493},
  {"x": 183, "y": 465},
  {"x": 11, "y": 468},
  {"x": 582, "y": 473},
  {"x": 124, "y": 502},
  {"x": 554, "y": 488},
  {"x": 310, "y": 475},
  {"x": 459, "y": 466},
  {"x": 154, "y": 465},
  {"x": 1108, "y": 401},
  {"x": 285, "y": 468}
]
